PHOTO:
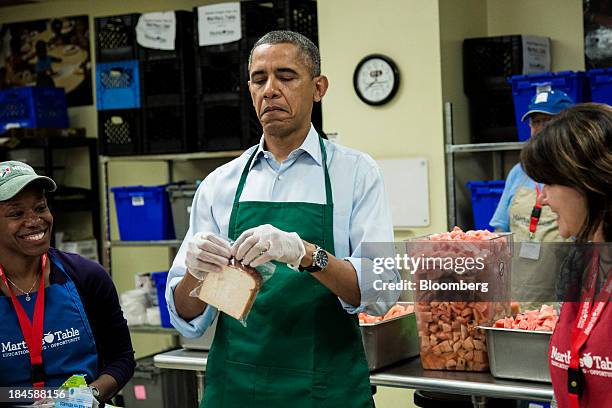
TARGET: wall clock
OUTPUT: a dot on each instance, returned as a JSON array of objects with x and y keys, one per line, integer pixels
[{"x": 376, "y": 79}]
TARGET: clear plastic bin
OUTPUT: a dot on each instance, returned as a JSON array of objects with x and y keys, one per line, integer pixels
[{"x": 451, "y": 302}]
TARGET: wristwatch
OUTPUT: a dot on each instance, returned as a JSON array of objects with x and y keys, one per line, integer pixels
[{"x": 319, "y": 260}]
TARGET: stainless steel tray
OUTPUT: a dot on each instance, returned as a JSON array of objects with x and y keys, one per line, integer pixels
[
  {"x": 518, "y": 354},
  {"x": 390, "y": 341}
]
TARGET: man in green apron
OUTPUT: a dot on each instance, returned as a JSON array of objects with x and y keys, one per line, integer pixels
[
  {"x": 306, "y": 205},
  {"x": 534, "y": 266}
]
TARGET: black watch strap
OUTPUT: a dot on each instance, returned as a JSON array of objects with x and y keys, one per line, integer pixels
[
  {"x": 310, "y": 269},
  {"x": 316, "y": 266}
]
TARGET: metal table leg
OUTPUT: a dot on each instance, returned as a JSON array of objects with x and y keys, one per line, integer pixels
[
  {"x": 479, "y": 401},
  {"x": 200, "y": 380}
]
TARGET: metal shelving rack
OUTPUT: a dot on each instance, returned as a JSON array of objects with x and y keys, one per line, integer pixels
[
  {"x": 170, "y": 159},
  {"x": 496, "y": 149},
  {"x": 107, "y": 244}
]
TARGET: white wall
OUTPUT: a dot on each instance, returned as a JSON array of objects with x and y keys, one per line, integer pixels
[{"x": 411, "y": 124}]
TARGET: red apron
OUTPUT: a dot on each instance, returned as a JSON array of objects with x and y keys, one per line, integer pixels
[{"x": 591, "y": 385}]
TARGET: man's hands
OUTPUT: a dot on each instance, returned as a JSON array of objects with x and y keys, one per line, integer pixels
[
  {"x": 206, "y": 252},
  {"x": 259, "y": 245}
]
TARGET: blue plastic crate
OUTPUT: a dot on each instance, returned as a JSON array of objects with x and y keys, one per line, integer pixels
[
  {"x": 525, "y": 87},
  {"x": 118, "y": 85},
  {"x": 33, "y": 107},
  {"x": 485, "y": 197},
  {"x": 143, "y": 213},
  {"x": 600, "y": 83},
  {"x": 160, "y": 279}
]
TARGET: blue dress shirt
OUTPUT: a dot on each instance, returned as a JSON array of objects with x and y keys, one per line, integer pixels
[{"x": 361, "y": 212}]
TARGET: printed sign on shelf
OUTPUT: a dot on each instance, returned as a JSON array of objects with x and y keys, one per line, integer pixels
[
  {"x": 536, "y": 54},
  {"x": 157, "y": 30},
  {"x": 219, "y": 24}
]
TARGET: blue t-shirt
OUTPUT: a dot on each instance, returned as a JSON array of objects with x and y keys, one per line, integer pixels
[{"x": 516, "y": 178}]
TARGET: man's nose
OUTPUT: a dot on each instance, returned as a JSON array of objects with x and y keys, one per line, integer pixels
[{"x": 271, "y": 88}]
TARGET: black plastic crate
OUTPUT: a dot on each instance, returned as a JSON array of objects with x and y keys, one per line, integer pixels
[
  {"x": 488, "y": 61},
  {"x": 299, "y": 16},
  {"x": 492, "y": 117},
  {"x": 183, "y": 42},
  {"x": 258, "y": 17},
  {"x": 223, "y": 68},
  {"x": 120, "y": 131},
  {"x": 116, "y": 37},
  {"x": 227, "y": 126},
  {"x": 170, "y": 129},
  {"x": 220, "y": 68},
  {"x": 262, "y": 16},
  {"x": 167, "y": 82}
]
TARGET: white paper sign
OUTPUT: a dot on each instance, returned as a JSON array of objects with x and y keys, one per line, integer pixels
[
  {"x": 536, "y": 54},
  {"x": 157, "y": 30},
  {"x": 219, "y": 23}
]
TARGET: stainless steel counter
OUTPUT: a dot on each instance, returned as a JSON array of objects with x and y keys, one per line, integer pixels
[
  {"x": 182, "y": 359},
  {"x": 406, "y": 374},
  {"x": 410, "y": 374}
]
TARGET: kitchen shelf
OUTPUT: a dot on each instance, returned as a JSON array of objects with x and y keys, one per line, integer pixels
[
  {"x": 104, "y": 162},
  {"x": 174, "y": 157},
  {"x": 153, "y": 329},
  {"x": 167, "y": 243},
  {"x": 496, "y": 150},
  {"x": 484, "y": 147}
]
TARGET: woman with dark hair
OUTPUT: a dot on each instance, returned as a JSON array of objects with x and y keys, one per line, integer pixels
[
  {"x": 60, "y": 312},
  {"x": 572, "y": 156}
]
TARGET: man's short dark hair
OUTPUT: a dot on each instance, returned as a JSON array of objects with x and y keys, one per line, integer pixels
[{"x": 306, "y": 48}]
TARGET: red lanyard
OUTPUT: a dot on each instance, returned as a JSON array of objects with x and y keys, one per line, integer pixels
[
  {"x": 32, "y": 331},
  {"x": 535, "y": 213},
  {"x": 585, "y": 321}
]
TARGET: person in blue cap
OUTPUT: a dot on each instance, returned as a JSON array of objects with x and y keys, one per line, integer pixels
[{"x": 519, "y": 212}]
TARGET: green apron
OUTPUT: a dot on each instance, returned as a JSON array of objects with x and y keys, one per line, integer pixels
[{"x": 300, "y": 348}]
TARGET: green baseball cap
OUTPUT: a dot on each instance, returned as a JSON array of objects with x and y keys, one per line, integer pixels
[{"x": 15, "y": 175}]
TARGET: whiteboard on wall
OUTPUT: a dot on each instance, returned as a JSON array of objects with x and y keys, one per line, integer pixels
[{"x": 407, "y": 187}]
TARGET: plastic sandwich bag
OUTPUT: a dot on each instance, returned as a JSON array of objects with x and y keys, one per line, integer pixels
[{"x": 222, "y": 291}]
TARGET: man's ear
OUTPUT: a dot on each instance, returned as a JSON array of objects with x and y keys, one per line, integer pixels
[{"x": 321, "y": 84}]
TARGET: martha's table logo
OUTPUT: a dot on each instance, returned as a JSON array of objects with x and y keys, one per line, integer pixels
[
  {"x": 590, "y": 363},
  {"x": 52, "y": 339}
]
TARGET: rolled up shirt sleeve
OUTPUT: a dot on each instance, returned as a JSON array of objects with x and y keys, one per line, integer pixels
[
  {"x": 201, "y": 219},
  {"x": 371, "y": 223}
]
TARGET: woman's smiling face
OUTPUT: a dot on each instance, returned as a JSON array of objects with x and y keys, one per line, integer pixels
[{"x": 26, "y": 222}]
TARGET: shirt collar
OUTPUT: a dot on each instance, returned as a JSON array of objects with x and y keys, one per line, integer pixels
[{"x": 310, "y": 145}]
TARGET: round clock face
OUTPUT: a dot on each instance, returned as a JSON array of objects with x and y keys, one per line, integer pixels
[{"x": 376, "y": 79}]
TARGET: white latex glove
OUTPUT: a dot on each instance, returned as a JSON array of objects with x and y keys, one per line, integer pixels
[
  {"x": 259, "y": 245},
  {"x": 206, "y": 252}
]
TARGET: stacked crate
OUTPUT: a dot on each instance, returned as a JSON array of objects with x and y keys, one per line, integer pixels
[
  {"x": 488, "y": 63},
  {"x": 226, "y": 117},
  {"x": 118, "y": 85},
  {"x": 168, "y": 92},
  {"x": 145, "y": 96}
]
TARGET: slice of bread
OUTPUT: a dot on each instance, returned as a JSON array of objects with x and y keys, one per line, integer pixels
[{"x": 233, "y": 290}]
